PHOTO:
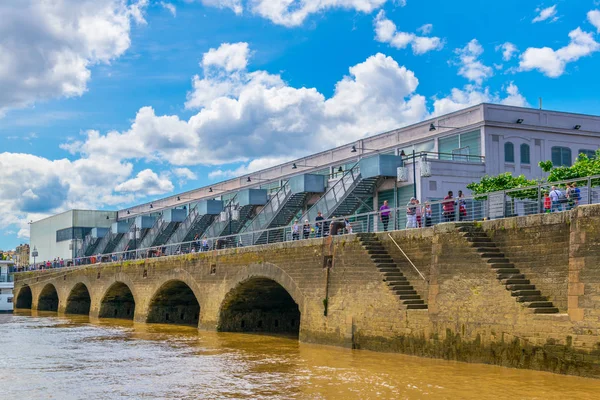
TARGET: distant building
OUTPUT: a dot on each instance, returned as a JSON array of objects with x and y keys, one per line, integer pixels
[{"x": 22, "y": 255}]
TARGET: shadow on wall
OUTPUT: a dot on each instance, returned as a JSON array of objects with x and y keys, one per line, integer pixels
[
  {"x": 259, "y": 305},
  {"x": 174, "y": 303},
  {"x": 79, "y": 301},
  {"x": 118, "y": 302},
  {"x": 48, "y": 300}
]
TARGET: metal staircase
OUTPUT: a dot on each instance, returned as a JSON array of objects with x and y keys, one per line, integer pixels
[
  {"x": 345, "y": 196},
  {"x": 186, "y": 230},
  {"x": 279, "y": 211},
  {"x": 230, "y": 227},
  {"x": 160, "y": 232},
  {"x": 104, "y": 242},
  {"x": 89, "y": 245}
]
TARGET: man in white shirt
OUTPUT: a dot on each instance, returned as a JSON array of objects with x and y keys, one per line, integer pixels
[{"x": 555, "y": 196}]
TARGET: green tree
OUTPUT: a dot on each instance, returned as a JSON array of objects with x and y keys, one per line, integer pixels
[
  {"x": 584, "y": 166},
  {"x": 505, "y": 181}
]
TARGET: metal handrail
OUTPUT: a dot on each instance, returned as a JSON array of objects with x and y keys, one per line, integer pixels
[
  {"x": 409, "y": 260},
  {"x": 218, "y": 225},
  {"x": 153, "y": 233},
  {"x": 105, "y": 240},
  {"x": 183, "y": 228},
  {"x": 270, "y": 210},
  {"x": 322, "y": 203}
]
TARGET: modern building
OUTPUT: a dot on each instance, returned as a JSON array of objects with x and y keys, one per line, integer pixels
[
  {"x": 59, "y": 236},
  {"x": 424, "y": 160}
]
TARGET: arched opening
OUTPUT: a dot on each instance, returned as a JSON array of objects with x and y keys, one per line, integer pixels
[
  {"x": 174, "y": 303},
  {"x": 24, "y": 299},
  {"x": 260, "y": 305},
  {"x": 79, "y": 301},
  {"x": 118, "y": 302},
  {"x": 48, "y": 300}
]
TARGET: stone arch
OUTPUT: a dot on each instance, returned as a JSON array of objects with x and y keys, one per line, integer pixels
[
  {"x": 263, "y": 298},
  {"x": 174, "y": 302},
  {"x": 117, "y": 302},
  {"x": 48, "y": 298},
  {"x": 24, "y": 298},
  {"x": 79, "y": 300}
]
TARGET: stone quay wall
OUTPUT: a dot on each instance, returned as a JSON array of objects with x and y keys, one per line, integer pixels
[{"x": 343, "y": 300}]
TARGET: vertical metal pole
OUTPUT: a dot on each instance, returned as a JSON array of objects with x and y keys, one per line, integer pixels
[
  {"x": 540, "y": 206},
  {"x": 504, "y": 204},
  {"x": 414, "y": 160},
  {"x": 589, "y": 185}
]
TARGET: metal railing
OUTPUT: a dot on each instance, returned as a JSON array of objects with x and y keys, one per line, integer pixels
[
  {"x": 335, "y": 195},
  {"x": 508, "y": 203},
  {"x": 268, "y": 213}
]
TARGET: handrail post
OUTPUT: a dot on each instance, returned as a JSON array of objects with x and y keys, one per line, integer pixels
[
  {"x": 409, "y": 260},
  {"x": 589, "y": 184},
  {"x": 539, "y": 205}
]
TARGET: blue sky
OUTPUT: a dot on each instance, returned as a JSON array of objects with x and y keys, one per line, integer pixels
[{"x": 125, "y": 101}]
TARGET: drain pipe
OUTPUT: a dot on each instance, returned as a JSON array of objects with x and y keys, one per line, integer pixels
[{"x": 411, "y": 263}]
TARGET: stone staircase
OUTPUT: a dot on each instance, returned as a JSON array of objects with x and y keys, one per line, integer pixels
[
  {"x": 511, "y": 277},
  {"x": 391, "y": 273}
]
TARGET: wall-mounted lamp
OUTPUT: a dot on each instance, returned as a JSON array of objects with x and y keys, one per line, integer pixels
[
  {"x": 520, "y": 121},
  {"x": 151, "y": 206},
  {"x": 353, "y": 150},
  {"x": 433, "y": 127},
  {"x": 577, "y": 127},
  {"x": 294, "y": 166},
  {"x": 128, "y": 212}
]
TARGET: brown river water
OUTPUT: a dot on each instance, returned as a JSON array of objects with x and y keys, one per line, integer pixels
[{"x": 46, "y": 356}]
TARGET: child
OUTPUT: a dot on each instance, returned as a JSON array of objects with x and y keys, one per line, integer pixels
[{"x": 547, "y": 203}]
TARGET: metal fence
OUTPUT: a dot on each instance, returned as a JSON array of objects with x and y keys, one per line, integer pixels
[{"x": 543, "y": 198}]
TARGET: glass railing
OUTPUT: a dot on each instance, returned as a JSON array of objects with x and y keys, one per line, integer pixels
[
  {"x": 182, "y": 230},
  {"x": 271, "y": 209},
  {"x": 124, "y": 240},
  {"x": 153, "y": 233},
  {"x": 335, "y": 195},
  {"x": 217, "y": 227},
  {"x": 104, "y": 241}
]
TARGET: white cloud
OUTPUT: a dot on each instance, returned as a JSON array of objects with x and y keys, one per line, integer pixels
[
  {"x": 552, "y": 63},
  {"x": 169, "y": 7},
  {"x": 252, "y": 166},
  {"x": 548, "y": 13},
  {"x": 508, "y": 50},
  {"x": 47, "y": 48},
  {"x": 147, "y": 182},
  {"x": 470, "y": 65},
  {"x": 293, "y": 13},
  {"x": 472, "y": 95},
  {"x": 249, "y": 115},
  {"x": 386, "y": 32},
  {"x": 230, "y": 57},
  {"x": 594, "y": 18},
  {"x": 185, "y": 173},
  {"x": 35, "y": 187},
  {"x": 235, "y": 5},
  {"x": 426, "y": 29}
]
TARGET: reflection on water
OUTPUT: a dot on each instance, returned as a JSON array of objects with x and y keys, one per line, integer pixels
[{"x": 51, "y": 357}]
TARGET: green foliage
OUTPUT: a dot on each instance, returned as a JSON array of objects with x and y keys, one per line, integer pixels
[
  {"x": 505, "y": 181},
  {"x": 583, "y": 167}
]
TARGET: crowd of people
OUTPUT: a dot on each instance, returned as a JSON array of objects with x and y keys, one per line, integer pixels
[{"x": 556, "y": 200}]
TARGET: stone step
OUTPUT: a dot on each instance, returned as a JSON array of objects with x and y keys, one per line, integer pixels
[
  {"x": 509, "y": 271},
  {"x": 396, "y": 276},
  {"x": 406, "y": 292},
  {"x": 397, "y": 288},
  {"x": 489, "y": 249},
  {"x": 492, "y": 255},
  {"x": 416, "y": 306},
  {"x": 382, "y": 260},
  {"x": 414, "y": 301},
  {"x": 480, "y": 240},
  {"x": 520, "y": 287},
  {"x": 539, "y": 304},
  {"x": 385, "y": 265},
  {"x": 497, "y": 260},
  {"x": 516, "y": 281},
  {"x": 409, "y": 297},
  {"x": 375, "y": 252},
  {"x": 531, "y": 299},
  {"x": 394, "y": 269},
  {"x": 545, "y": 310},
  {"x": 502, "y": 265},
  {"x": 510, "y": 276},
  {"x": 521, "y": 293}
]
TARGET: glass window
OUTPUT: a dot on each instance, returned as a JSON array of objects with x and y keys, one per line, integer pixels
[
  {"x": 590, "y": 153},
  {"x": 561, "y": 156},
  {"x": 509, "y": 152},
  {"x": 525, "y": 158},
  {"x": 450, "y": 145}
]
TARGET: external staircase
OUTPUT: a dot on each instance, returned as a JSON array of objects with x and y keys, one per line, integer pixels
[
  {"x": 392, "y": 275},
  {"x": 511, "y": 277},
  {"x": 186, "y": 230}
]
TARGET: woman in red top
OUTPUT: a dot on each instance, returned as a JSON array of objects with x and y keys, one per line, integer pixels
[{"x": 547, "y": 202}]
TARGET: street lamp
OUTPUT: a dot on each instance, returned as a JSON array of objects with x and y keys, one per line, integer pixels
[{"x": 34, "y": 253}]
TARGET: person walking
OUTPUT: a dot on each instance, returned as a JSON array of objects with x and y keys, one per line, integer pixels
[
  {"x": 462, "y": 206},
  {"x": 411, "y": 214},
  {"x": 205, "y": 244},
  {"x": 448, "y": 207},
  {"x": 384, "y": 215},
  {"x": 576, "y": 194},
  {"x": 419, "y": 213},
  {"x": 348, "y": 226},
  {"x": 547, "y": 203}
]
